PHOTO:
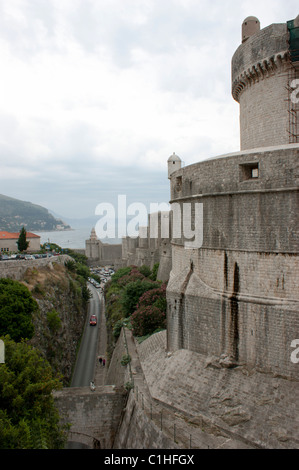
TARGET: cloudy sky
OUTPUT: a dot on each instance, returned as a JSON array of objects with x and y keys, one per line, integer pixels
[{"x": 97, "y": 94}]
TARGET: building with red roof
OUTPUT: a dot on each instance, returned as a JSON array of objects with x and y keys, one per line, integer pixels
[{"x": 8, "y": 241}]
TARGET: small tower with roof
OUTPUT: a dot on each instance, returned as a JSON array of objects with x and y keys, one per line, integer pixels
[
  {"x": 174, "y": 164},
  {"x": 93, "y": 235},
  {"x": 251, "y": 25}
]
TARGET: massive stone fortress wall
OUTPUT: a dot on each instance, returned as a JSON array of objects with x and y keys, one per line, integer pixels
[
  {"x": 238, "y": 295},
  {"x": 261, "y": 75},
  {"x": 250, "y": 199}
]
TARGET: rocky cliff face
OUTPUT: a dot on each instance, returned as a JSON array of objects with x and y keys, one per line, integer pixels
[{"x": 61, "y": 317}]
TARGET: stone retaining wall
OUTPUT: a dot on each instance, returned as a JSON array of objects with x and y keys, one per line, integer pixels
[
  {"x": 94, "y": 416},
  {"x": 15, "y": 269}
]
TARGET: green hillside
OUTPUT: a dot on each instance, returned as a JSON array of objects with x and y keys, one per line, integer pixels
[{"x": 15, "y": 214}]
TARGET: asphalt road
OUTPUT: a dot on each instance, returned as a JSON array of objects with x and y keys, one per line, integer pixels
[{"x": 85, "y": 364}]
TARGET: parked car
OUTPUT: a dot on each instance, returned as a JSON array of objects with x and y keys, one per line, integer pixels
[{"x": 93, "y": 320}]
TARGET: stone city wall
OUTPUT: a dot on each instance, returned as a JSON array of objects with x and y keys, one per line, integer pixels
[
  {"x": 238, "y": 294},
  {"x": 102, "y": 254},
  {"x": 152, "y": 246}
]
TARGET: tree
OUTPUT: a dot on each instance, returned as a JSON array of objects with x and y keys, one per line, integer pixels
[
  {"x": 83, "y": 270},
  {"x": 121, "y": 272},
  {"x": 150, "y": 314},
  {"x": 78, "y": 257},
  {"x": 54, "y": 322},
  {"x": 154, "y": 274},
  {"x": 22, "y": 242},
  {"x": 132, "y": 292},
  {"x": 155, "y": 297},
  {"x": 123, "y": 294},
  {"x": 16, "y": 309},
  {"x": 147, "y": 319},
  {"x": 28, "y": 416},
  {"x": 126, "y": 277},
  {"x": 48, "y": 246},
  {"x": 145, "y": 270},
  {"x": 70, "y": 265}
]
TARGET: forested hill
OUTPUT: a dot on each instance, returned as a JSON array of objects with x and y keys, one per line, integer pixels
[{"x": 15, "y": 214}]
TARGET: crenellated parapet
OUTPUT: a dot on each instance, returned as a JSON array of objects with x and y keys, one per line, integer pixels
[{"x": 279, "y": 63}]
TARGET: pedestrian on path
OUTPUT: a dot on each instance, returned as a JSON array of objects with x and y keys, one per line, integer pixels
[
  {"x": 104, "y": 362},
  {"x": 100, "y": 360},
  {"x": 92, "y": 386}
]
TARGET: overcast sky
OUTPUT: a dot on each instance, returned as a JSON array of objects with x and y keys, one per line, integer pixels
[{"x": 96, "y": 94}]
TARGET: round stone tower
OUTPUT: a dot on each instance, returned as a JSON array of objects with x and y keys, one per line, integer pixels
[{"x": 262, "y": 72}]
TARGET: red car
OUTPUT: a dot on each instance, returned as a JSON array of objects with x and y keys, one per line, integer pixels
[{"x": 93, "y": 320}]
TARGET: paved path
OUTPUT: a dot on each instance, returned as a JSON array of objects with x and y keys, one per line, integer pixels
[
  {"x": 100, "y": 370},
  {"x": 84, "y": 368}
]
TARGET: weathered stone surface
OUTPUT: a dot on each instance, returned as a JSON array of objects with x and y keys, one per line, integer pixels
[
  {"x": 261, "y": 72},
  {"x": 237, "y": 295},
  {"x": 249, "y": 406},
  {"x": 94, "y": 416}
]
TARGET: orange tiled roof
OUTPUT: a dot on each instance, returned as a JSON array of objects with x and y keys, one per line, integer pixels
[{"x": 15, "y": 235}]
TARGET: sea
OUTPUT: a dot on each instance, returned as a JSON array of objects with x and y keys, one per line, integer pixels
[{"x": 73, "y": 239}]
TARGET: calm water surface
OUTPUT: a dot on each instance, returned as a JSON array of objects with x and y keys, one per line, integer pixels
[{"x": 74, "y": 239}]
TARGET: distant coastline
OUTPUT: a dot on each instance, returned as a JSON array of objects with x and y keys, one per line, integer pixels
[{"x": 15, "y": 214}]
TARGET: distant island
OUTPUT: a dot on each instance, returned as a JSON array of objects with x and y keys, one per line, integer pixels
[{"x": 15, "y": 214}]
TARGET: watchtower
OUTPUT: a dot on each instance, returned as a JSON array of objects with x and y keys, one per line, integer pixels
[
  {"x": 174, "y": 163},
  {"x": 251, "y": 25},
  {"x": 264, "y": 79}
]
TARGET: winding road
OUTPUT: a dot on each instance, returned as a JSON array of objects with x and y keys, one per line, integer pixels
[{"x": 86, "y": 359}]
